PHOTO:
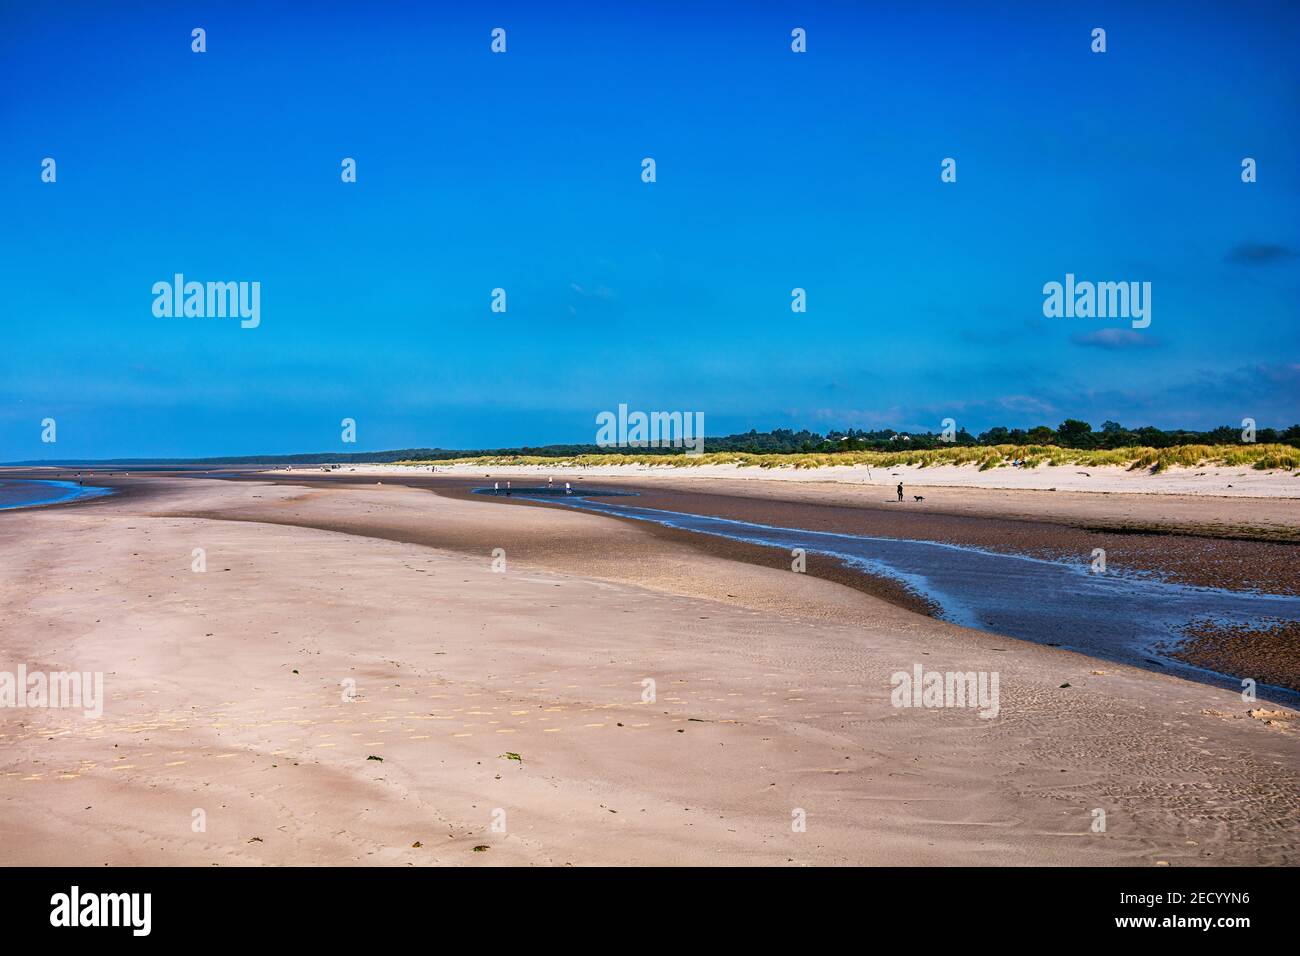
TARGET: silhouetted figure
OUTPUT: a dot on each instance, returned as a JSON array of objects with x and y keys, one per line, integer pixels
[{"x": 900, "y": 491}]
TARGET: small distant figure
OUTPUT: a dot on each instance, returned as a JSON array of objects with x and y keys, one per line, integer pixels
[
  {"x": 919, "y": 497},
  {"x": 549, "y": 482},
  {"x": 496, "y": 487},
  {"x": 900, "y": 491},
  {"x": 567, "y": 489},
  {"x": 507, "y": 489}
]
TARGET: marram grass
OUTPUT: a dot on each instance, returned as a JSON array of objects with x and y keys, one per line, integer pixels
[{"x": 1262, "y": 457}]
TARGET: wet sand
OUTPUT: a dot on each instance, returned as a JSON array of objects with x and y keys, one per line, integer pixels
[
  {"x": 1206, "y": 540},
  {"x": 1270, "y": 650},
  {"x": 981, "y": 518}
]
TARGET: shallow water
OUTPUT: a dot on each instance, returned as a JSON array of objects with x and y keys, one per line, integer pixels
[
  {"x": 1118, "y": 616},
  {"x": 552, "y": 491},
  {"x": 28, "y": 493}
]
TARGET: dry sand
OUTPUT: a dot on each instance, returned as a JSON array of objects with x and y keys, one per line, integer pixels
[{"x": 772, "y": 696}]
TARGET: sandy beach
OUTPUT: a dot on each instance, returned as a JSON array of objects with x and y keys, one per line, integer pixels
[
  {"x": 1202, "y": 481},
  {"x": 351, "y": 682}
]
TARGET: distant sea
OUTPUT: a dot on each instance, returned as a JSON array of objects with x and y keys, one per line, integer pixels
[{"x": 22, "y": 493}]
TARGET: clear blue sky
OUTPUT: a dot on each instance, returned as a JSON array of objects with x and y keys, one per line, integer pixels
[{"x": 522, "y": 171}]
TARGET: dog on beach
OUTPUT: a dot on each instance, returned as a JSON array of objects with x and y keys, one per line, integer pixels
[{"x": 919, "y": 497}]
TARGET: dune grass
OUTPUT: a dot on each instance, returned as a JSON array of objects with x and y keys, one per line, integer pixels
[{"x": 1262, "y": 457}]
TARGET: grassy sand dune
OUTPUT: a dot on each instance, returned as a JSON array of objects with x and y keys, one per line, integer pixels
[{"x": 1263, "y": 457}]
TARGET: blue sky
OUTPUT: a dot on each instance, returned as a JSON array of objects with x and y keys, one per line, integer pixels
[{"x": 775, "y": 170}]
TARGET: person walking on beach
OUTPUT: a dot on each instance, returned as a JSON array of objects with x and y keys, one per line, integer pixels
[{"x": 900, "y": 491}]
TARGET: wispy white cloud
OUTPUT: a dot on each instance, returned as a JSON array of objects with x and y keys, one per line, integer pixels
[{"x": 1115, "y": 339}]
